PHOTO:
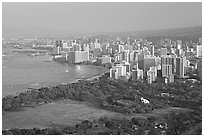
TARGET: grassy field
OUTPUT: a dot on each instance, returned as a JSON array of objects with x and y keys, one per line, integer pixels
[
  {"x": 65, "y": 113},
  {"x": 62, "y": 113}
]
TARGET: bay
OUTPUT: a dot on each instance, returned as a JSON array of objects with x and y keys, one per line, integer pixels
[{"x": 21, "y": 71}]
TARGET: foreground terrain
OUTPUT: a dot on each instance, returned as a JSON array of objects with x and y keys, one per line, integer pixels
[{"x": 133, "y": 107}]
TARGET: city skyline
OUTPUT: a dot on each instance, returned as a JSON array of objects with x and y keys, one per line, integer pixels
[{"x": 102, "y": 17}]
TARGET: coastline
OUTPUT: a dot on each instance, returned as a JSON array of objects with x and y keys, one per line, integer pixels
[
  {"x": 17, "y": 83},
  {"x": 88, "y": 78}
]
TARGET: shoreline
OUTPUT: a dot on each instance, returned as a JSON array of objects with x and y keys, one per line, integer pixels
[
  {"x": 90, "y": 78},
  {"x": 14, "y": 91}
]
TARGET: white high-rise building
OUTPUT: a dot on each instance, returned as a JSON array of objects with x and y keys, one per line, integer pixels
[
  {"x": 117, "y": 71},
  {"x": 78, "y": 56},
  {"x": 151, "y": 75},
  {"x": 199, "y": 50},
  {"x": 166, "y": 70}
]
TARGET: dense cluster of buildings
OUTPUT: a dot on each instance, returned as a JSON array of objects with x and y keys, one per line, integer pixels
[{"x": 138, "y": 59}]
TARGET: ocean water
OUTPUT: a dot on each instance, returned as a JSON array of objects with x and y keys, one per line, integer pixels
[{"x": 21, "y": 71}]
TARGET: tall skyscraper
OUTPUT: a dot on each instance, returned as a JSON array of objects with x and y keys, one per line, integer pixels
[
  {"x": 127, "y": 65},
  {"x": 124, "y": 56},
  {"x": 151, "y": 75},
  {"x": 137, "y": 74},
  {"x": 179, "y": 44},
  {"x": 145, "y": 62},
  {"x": 76, "y": 47},
  {"x": 169, "y": 60},
  {"x": 166, "y": 70},
  {"x": 179, "y": 52},
  {"x": 199, "y": 50},
  {"x": 180, "y": 66},
  {"x": 152, "y": 50},
  {"x": 118, "y": 70},
  {"x": 199, "y": 67},
  {"x": 110, "y": 50}
]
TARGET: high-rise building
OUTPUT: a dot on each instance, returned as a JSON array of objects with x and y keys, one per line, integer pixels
[
  {"x": 117, "y": 71},
  {"x": 199, "y": 68},
  {"x": 64, "y": 45},
  {"x": 199, "y": 50},
  {"x": 137, "y": 74},
  {"x": 113, "y": 73},
  {"x": 124, "y": 56},
  {"x": 145, "y": 51},
  {"x": 87, "y": 48},
  {"x": 120, "y": 48},
  {"x": 83, "y": 47},
  {"x": 171, "y": 78},
  {"x": 127, "y": 65},
  {"x": 121, "y": 70},
  {"x": 179, "y": 52},
  {"x": 179, "y": 44},
  {"x": 92, "y": 46},
  {"x": 131, "y": 57},
  {"x": 158, "y": 63},
  {"x": 169, "y": 60},
  {"x": 128, "y": 47},
  {"x": 151, "y": 75},
  {"x": 145, "y": 62},
  {"x": 76, "y": 47},
  {"x": 59, "y": 43},
  {"x": 180, "y": 66},
  {"x": 97, "y": 52},
  {"x": 57, "y": 50},
  {"x": 97, "y": 45},
  {"x": 172, "y": 51},
  {"x": 128, "y": 40},
  {"x": 78, "y": 56},
  {"x": 104, "y": 48},
  {"x": 152, "y": 50},
  {"x": 166, "y": 70},
  {"x": 163, "y": 51},
  {"x": 110, "y": 50},
  {"x": 154, "y": 70}
]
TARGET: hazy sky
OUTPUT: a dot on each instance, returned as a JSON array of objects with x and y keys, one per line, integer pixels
[{"x": 102, "y": 17}]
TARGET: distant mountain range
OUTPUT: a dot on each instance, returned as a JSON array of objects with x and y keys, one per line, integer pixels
[
  {"x": 184, "y": 34},
  {"x": 34, "y": 32},
  {"x": 176, "y": 33}
]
